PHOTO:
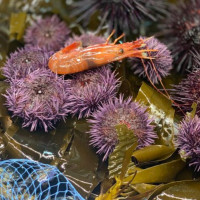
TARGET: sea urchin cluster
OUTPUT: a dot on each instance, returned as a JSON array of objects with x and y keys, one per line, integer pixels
[
  {"x": 40, "y": 99},
  {"x": 156, "y": 68},
  {"x": 25, "y": 61},
  {"x": 187, "y": 92},
  {"x": 88, "y": 90},
  {"x": 188, "y": 141},
  {"x": 183, "y": 30},
  {"x": 49, "y": 33},
  {"x": 119, "y": 111},
  {"x": 121, "y": 15}
]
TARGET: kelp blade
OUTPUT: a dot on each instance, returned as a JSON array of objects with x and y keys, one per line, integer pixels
[
  {"x": 126, "y": 139},
  {"x": 183, "y": 190},
  {"x": 158, "y": 174},
  {"x": 160, "y": 109},
  {"x": 152, "y": 152},
  {"x": 17, "y": 25}
]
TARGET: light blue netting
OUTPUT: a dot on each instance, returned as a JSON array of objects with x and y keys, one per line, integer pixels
[{"x": 22, "y": 179}]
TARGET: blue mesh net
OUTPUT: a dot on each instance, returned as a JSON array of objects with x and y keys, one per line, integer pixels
[{"x": 22, "y": 179}]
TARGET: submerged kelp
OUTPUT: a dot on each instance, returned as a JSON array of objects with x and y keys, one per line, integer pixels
[{"x": 167, "y": 165}]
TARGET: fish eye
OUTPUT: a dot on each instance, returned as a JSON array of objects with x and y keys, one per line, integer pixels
[{"x": 121, "y": 50}]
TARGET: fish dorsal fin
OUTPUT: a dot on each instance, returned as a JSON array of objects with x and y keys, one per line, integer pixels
[{"x": 72, "y": 47}]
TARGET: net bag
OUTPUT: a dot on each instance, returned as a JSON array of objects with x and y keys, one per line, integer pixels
[{"x": 22, "y": 179}]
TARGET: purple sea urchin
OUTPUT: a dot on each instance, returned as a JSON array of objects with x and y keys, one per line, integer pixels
[
  {"x": 87, "y": 39},
  {"x": 40, "y": 99},
  {"x": 121, "y": 15},
  {"x": 187, "y": 92},
  {"x": 188, "y": 141},
  {"x": 49, "y": 33},
  {"x": 25, "y": 61},
  {"x": 183, "y": 29},
  {"x": 162, "y": 61},
  {"x": 196, "y": 57},
  {"x": 119, "y": 111},
  {"x": 87, "y": 90}
]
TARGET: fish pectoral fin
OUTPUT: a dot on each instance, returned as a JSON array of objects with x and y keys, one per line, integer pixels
[{"x": 72, "y": 47}]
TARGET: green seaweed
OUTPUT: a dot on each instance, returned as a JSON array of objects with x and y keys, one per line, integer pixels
[
  {"x": 177, "y": 190},
  {"x": 160, "y": 109},
  {"x": 3, "y": 110},
  {"x": 17, "y": 25},
  {"x": 159, "y": 173},
  {"x": 153, "y": 152},
  {"x": 4, "y": 45},
  {"x": 126, "y": 140},
  {"x": 81, "y": 164}
]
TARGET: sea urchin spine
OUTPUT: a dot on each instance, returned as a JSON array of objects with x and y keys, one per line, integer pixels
[
  {"x": 156, "y": 68},
  {"x": 102, "y": 125},
  {"x": 49, "y": 33},
  {"x": 40, "y": 99},
  {"x": 89, "y": 89},
  {"x": 188, "y": 141}
]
